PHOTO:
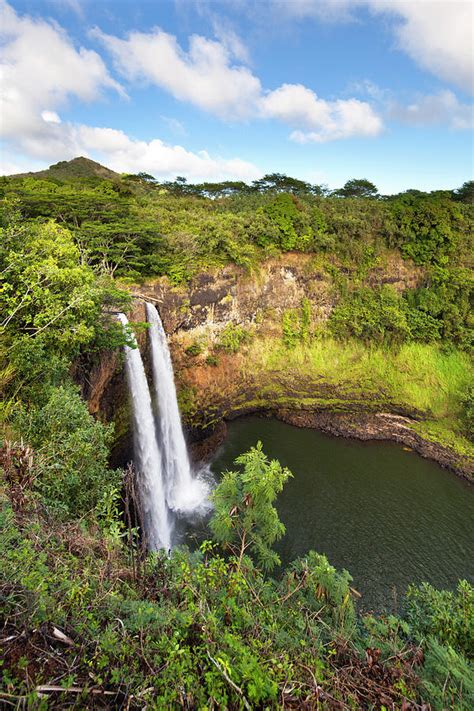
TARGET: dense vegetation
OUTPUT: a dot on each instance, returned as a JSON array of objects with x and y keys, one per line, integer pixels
[
  {"x": 134, "y": 228},
  {"x": 83, "y": 608},
  {"x": 88, "y": 622}
]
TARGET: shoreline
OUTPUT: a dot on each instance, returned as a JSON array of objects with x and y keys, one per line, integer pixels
[{"x": 380, "y": 426}]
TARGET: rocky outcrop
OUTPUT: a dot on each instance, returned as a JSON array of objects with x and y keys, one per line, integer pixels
[{"x": 232, "y": 294}]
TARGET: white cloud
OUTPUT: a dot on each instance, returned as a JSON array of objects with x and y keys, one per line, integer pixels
[
  {"x": 39, "y": 70},
  {"x": 122, "y": 153},
  {"x": 441, "y": 108},
  {"x": 125, "y": 154},
  {"x": 436, "y": 34},
  {"x": 205, "y": 75},
  {"x": 230, "y": 40},
  {"x": 208, "y": 75},
  {"x": 317, "y": 120},
  {"x": 11, "y": 164},
  {"x": 206, "y": 78},
  {"x": 50, "y": 117}
]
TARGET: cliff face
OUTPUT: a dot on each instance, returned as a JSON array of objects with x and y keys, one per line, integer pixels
[
  {"x": 231, "y": 294},
  {"x": 221, "y": 379},
  {"x": 213, "y": 383}
]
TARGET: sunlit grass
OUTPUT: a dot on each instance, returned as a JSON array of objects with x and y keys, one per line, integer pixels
[{"x": 416, "y": 375}]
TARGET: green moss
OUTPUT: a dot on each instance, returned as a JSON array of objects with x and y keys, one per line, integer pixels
[
  {"x": 443, "y": 433},
  {"x": 121, "y": 422}
]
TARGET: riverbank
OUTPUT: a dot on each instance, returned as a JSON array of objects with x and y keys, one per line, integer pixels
[{"x": 381, "y": 426}]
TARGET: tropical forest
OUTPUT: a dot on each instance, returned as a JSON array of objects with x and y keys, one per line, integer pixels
[{"x": 237, "y": 408}]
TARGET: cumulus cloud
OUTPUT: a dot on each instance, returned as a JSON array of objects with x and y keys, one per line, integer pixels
[
  {"x": 205, "y": 75},
  {"x": 126, "y": 154},
  {"x": 319, "y": 120},
  {"x": 230, "y": 39},
  {"x": 441, "y": 108},
  {"x": 39, "y": 70},
  {"x": 123, "y": 153},
  {"x": 50, "y": 117},
  {"x": 437, "y": 34}
]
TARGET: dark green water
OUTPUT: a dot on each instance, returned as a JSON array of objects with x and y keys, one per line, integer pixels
[{"x": 388, "y": 516}]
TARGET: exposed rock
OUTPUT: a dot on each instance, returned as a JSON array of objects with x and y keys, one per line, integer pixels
[
  {"x": 231, "y": 294},
  {"x": 213, "y": 389}
]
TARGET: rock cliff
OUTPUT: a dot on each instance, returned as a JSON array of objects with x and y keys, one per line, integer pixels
[{"x": 216, "y": 383}]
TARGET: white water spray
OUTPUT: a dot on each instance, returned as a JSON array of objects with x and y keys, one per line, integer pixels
[
  {"x": 157, "y": 521},
  {"x": 186, "y": 494}
]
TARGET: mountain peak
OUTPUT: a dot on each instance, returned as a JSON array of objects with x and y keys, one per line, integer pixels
[{"x": 80, "y": 167}]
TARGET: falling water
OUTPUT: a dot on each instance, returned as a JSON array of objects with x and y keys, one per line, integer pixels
[
  {"x": 185, "y": 493},
  {"x": 157, "y": 521}
]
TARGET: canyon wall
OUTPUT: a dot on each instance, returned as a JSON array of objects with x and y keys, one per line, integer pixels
[{"x": 252, "y": 371}]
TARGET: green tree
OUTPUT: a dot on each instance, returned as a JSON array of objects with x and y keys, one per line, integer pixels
[
  {"x": 244, "y": 517},
  {"x": 51, "y": 303},
  {"x": 465, "y": 193},
  {"x": 70, "y": 452},
  {"x": 288, "y": 215},
  {"x": 429, "y": 229},
  {"x": 280, "y": 183},
  {"x": 371, "y": 315},
  {"x": 358, "y": 188}
]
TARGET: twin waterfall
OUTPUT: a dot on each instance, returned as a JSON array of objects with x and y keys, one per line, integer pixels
[{"x": 167, "y": 486}]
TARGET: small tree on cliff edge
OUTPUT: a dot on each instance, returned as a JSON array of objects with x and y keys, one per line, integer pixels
[{"x": 244, "y": 516}]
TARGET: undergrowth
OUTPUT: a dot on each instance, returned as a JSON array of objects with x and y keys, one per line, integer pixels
[{"x": 91, "y": 622}]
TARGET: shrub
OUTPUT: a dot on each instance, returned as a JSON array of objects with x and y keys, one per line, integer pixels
[
  {"x": 71, "y": 450},
  {"x": 468, "y": 412},
  {"x": 371, "y": 315},
  {"x": 444, "y": 615},
  {"x": 194, "y": 349},
  {"x": 245, "y": 518},
  {"x": 232, "y": 336},
  {"x": 212, "y": 360},
  {"x": 296, "y": 324}
]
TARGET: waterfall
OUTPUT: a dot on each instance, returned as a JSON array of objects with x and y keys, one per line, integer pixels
[
  {"x": 185, "y": 493},
  {"x": 157, "y": 521},
  {"x": 166, "y": 484}
]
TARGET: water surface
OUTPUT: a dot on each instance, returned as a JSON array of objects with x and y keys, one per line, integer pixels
[{"x": 387, "y": 515}]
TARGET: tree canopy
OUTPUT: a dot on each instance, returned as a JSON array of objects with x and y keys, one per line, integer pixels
[{"x": 357, "y": 188}]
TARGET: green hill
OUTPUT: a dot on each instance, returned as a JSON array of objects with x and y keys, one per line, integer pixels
[{"x": 72, "y": 169}]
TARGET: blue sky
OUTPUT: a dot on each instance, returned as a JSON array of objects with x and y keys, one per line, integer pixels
[{"x": 323, "y": 90}]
